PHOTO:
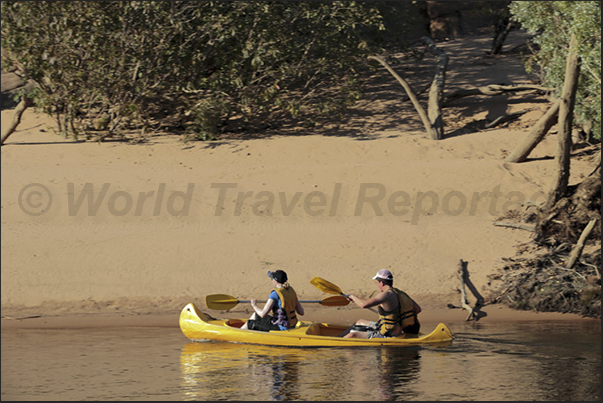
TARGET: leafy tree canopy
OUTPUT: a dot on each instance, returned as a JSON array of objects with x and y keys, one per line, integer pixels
[
  {"x": 554, "y": 22},
  {"x": 118, "y": 65}
]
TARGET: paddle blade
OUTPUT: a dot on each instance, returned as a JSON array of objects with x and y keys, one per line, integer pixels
[
  {"x": 221, "y": 302},
  {"x": 325, "y": 286},
  {"x": 336, "y": 300}
]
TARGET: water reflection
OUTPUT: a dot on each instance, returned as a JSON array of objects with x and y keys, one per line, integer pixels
[
  {"x": 514, "y": 361},
  {"x": 211, "y": 369},
  {"x": 396, "y": 369},
  {"x": 223, "y": 369}
]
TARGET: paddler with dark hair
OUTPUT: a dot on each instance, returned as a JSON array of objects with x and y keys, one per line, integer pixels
[
  {"x": 397, "y": 311},
  {"x": 282, "y": 303}
]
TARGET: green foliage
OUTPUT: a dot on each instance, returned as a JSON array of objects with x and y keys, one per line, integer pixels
[
  {"x": 554, "y": 22},
  {"x": 187, "y": 64}
]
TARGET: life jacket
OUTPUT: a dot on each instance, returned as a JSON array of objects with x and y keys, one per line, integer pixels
[
  {"x": 285, "y": 315},
  {"x": 403, "y": 314}
]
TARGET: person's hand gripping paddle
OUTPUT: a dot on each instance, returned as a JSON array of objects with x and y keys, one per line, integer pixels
[{"x": 330, "y": 288}]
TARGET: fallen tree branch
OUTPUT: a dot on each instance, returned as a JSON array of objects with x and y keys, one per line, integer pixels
[
  {"x": 25, "y": 317},
  {"x": 464, "y": 304},
  {"x": 596, "y": 268},
  {"x": 577, "y": 250},
  {"x": 512, "y": 225},
  {"x": 505, "y": 118},
  {"x": 464, "y": 276},
  {"x": 494, "y": 89},
  {"x": 536, "y": 134},
  {"x": 21, "y": 107}
]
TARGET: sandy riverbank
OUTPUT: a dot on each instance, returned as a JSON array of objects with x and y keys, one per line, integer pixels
[{"x": 170, "y": 222}]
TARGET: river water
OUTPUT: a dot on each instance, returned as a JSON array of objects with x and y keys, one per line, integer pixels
[{"x": 485, "y": 361}]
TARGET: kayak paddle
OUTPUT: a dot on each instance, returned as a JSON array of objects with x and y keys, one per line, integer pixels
[
  {"x": 326, "y": 286},
  {"x": 330, "y": 288},
  {"x": 225, "y": 302}
]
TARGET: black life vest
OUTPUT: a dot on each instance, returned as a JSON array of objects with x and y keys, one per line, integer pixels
[{"x": 404, "y": 314}]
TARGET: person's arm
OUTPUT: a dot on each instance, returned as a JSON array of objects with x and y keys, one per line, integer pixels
[
  {"x": 299, "y": 308},
  {"x": 263, "y": 312},
  {"x": 416, "y": 307},
  {"x": 368, "y": 303}
]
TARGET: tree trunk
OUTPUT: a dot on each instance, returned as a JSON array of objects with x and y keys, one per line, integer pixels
[
  {"x": 432, "y": 119},
  {"x": 24, "y": 104},
  {"x": 434, "y": 105},
  {"x": 566, "y": 112},
  {"x": 413, "y": 97},
  {"x": 502, "y": 30},
  {"x": 537, "y": 133}
]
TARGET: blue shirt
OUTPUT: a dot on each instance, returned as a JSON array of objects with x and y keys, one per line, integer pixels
[{"x": 277, "y": 300}]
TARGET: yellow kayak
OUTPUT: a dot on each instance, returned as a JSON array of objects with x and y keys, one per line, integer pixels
[{"x": 198, "y": 326}]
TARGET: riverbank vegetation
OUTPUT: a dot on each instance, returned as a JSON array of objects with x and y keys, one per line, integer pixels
[
  {"x": 560, "y": 270},
  {"x": 112, "y": 68}
]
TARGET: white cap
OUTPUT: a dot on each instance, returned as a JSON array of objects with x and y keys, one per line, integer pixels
[{"x": 384, "y": 274}]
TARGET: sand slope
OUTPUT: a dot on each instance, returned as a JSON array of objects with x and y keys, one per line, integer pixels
[{"x": 336, "y": 206}]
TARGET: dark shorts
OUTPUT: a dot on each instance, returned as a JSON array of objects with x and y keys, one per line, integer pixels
[
  {"x": 262, "y": 324},
  {"x": 412, "y": 329}
]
